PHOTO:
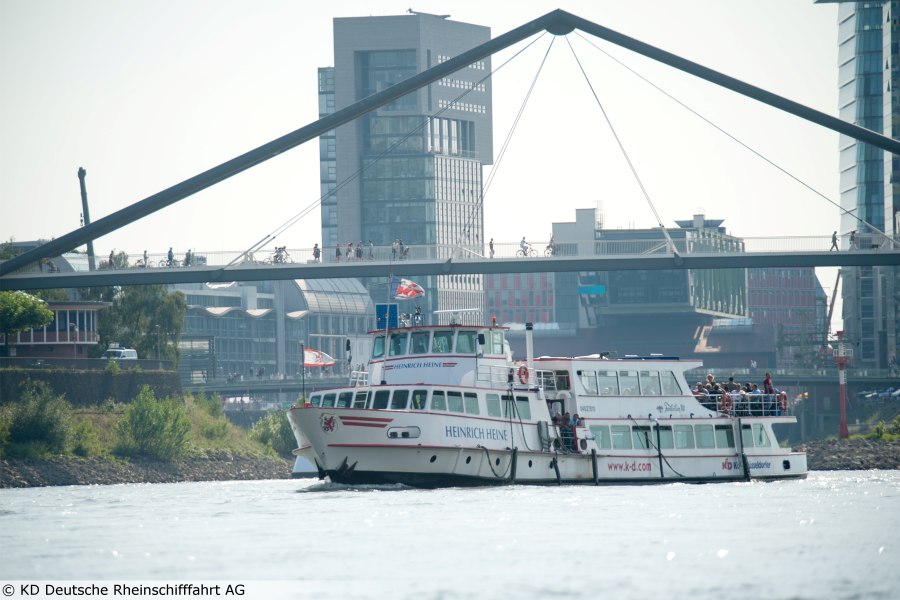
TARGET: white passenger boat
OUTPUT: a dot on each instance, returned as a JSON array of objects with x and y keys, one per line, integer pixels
[{"x": 448, "y": 406}]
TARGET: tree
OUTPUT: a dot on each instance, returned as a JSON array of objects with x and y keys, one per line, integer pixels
[
  {"x": 144, "y": 317},
  {"x": 20, "y": 312},
  {"x": 154, "y": 428}
]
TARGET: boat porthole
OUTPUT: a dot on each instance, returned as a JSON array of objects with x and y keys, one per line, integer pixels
[
  {"x": 433, "y": 458},
  {"x": 529, "y": 464},
  {"x": 497, "y": 462},
  {"x": 583, "y": 444},
  {"x": 468, "y": 459}
]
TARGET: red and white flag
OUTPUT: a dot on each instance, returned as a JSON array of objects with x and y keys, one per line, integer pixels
[
  {"x": 316, "y": 358},
  {"x": 407, "y": 289}
]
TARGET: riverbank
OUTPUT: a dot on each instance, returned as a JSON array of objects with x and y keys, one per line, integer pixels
[
  {"x": 851, "y": 455},
  {"x": 91, "y": 471}
]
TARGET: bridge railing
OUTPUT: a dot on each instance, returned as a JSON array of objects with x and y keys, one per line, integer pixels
[{"x": 481, "y": 251}]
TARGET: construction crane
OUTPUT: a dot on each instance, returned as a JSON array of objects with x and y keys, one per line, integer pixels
[{"x": 824, "y": 349}]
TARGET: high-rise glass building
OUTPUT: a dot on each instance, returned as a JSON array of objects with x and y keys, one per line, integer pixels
[
  {"x": 411, "y": 170},
  {"x": 868, "y": 76}
]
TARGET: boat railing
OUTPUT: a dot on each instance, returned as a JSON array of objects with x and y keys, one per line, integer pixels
[
  {"x": 359, "y": 378},
  {"x": 567, "y": 440},
  {"x": 493, "y": 375},
  {"x": 742, "y": 404},
  {"x": 546, "y": 380}
]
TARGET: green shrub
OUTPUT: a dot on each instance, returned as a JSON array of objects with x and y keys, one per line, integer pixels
[
  {"x": 85, "y": 439},
  {"x": 112, "y": 367},
  {"x": 214, "y": 430},
  {"x": 210, "y": 404},
  {"x": 39, "y": 419},
  {"x": 153, "y": 428},
  {"x": 4, "y": 429},
  {"x": 274, "y": 431}
]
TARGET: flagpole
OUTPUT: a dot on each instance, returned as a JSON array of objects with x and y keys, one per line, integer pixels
[{"x": 303, "y": 369}]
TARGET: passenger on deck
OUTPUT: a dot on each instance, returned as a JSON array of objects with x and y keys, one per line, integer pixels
[{"x": 768, "y": 386}]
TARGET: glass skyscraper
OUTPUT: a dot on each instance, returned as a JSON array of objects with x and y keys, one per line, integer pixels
[
  {"x": 868, "y": 51},
  {"x": 410, "y": 170}
]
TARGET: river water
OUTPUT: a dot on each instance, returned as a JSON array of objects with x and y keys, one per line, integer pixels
[{"x": 834, "y": 535}]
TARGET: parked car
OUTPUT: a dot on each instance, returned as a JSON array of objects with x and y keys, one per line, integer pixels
[{"x": 118, "y": 353}]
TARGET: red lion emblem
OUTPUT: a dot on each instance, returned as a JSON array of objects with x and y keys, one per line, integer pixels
[{"x": 328, "y": 423}]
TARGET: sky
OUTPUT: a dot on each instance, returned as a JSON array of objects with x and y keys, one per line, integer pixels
[{"x": 145, "y": 94}]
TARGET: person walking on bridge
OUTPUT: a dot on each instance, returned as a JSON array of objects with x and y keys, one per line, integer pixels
[{"x": 834, "y": 244}]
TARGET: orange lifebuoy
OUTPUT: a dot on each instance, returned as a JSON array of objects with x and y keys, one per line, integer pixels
[
  {"x": 727, "y": 403},
  {"x": 523, "y": 374},
  {"x": 782, "y": 402}
]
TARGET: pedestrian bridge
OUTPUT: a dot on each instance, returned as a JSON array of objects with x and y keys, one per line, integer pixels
[{"x": 380, "y": 261}]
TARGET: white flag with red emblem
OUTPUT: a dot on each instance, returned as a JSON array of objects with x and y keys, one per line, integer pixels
[
  {"x": 406, "y": 290},
  {"x": 316, "y": 358}
]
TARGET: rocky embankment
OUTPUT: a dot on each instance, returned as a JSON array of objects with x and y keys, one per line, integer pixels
[
  {"x": 851, "y": 455},
  {"x": 88, "y": 471},
  {"x": 822, "y": 455}
]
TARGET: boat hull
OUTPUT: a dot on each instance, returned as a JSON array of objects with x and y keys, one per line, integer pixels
[{"x": 353, "y": 447}]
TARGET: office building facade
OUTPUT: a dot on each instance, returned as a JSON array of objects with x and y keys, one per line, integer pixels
[
  {"x": 411, "y": 170},
  {"x": 868, "y": 76}
]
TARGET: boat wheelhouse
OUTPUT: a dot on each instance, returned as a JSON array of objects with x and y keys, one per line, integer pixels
[{"x": 448, "y": 405}]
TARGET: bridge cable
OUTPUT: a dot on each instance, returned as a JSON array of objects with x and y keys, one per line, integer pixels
[
  {"x": 315, "y": 204},
  {"x": 480, "y": 204},
  {"x": 734, "y": 138},
  {"x": 669, "y": 243}
]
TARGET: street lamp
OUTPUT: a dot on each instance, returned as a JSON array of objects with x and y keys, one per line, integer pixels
[{"x": 74, "y": 328}]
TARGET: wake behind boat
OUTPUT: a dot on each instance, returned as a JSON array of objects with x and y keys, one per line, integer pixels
[{"x": 448, "y": 406}]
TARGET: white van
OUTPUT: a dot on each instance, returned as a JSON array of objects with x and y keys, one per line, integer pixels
[{"x": 116, "y": 353}]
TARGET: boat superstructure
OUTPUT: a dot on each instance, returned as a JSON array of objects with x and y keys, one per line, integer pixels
[{"x": 448, "y": 405}]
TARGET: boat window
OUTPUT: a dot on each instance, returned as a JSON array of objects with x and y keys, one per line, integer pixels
[
  {"x": 760, "y": 436},
  {"x": 704, "y": 435},
  {"x": 670, "y": 385},
  {"x": 381, "y": 399},
  {"x": 466, "y": 342},
  {"x": 315, "y": 400},
  {"x": 601, "y": 435},
  {"x": 641, "y": 437},
  {"x": 724, "y": 436},
  {"x": 506, "y": 402},
  {"x": 746, "y": 436},
  {"x": 684, "y": 436},
  {"x": 493, "y": 405},
  {"x": 345, "y": 399},
  {"x": 621, "y": 437},
  {"x": 496, "y": 342},
  {"x": 328, "y": 400},
  {"x": 399, "y": 399},
  {"x": 588, "y": 381},
  {"x": 628, "y": 383},
  {"x": 378, "y": 347},
  {"x": 650, "y": 383},
  {"x": 666, "y": 440},
  {"x": 360, "y": 400},
  {"x": 562, "y": 380},
  {"x": 418, "y": 399},
  {"x": 419, "y": 342},
  {"x": 523, "y": 407},
  {"x": 438, "y": 401},
  {"x": 442, "y": 342},
  {"x": 608, "y": 383},
  {"x": 454, "y": 402},
  {"x": 471, "y": 403},
  {"x": 398, "y": 344}
]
